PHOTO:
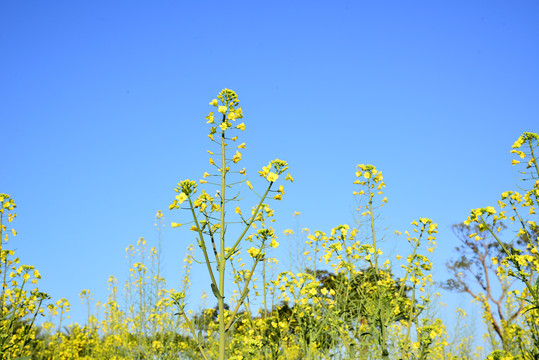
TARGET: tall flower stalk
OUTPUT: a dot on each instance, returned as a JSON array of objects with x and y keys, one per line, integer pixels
[{"x": 208, "y": 212}]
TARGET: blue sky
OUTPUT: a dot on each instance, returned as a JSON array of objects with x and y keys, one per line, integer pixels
[{"x": 104, "y": 104}]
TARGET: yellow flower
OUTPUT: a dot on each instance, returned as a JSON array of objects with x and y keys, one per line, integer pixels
[
  {"x": 518, "y": 143},
  {"x": 274, "y": 243},
  {"x": 224, "y": 125},
  {"x": 272, "y": 177},
  {"x": 241, "y": 126},
  {"x": 324, "y": 291},
  {"x": 238, "y": 210},
  {"x": 210, "y": 118},
  {"x": 222, "y": 109},
  {"x": 242, "y": 171},
  {"x": 213, "y": 102},
  {"x": 181, "y": 198},
  {"x": 175, "y": 225},
  {"x": 253, "y": 252},
  {"x": 514, "y": 162},
  {"x": 236, "y": 157},
  {"x": 239, "y": 113},
  {"x": 278, "y": 197},
  {"x": 249, "y": 184},
  {"x": 242, "y": 146}
]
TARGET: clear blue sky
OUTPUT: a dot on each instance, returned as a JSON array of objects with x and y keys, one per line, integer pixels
[{"x": 103, "y": 106}]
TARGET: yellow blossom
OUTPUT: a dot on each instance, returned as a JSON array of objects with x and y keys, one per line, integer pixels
[
  {"x": 181, "y": 198},
  {"x": 253, "y": 252},
  {"x": 236, "y": 157},
  {"x": 272, "y": 177},
  {"x": 210, "y": 118}
]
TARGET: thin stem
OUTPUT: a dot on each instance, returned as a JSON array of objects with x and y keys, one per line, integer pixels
[
  {"x": 248, "y": 226},
  {"x": 222, "y": 259},
  {"x": 533, "y": 158},
  {"x": 382, "y": 321},
  {"x": 243, "y": 294},
  {"x": 193, "y": 331},
  {"x": 202, "y": 242}
]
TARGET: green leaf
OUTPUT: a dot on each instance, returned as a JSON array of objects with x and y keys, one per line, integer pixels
[
  {"x": 234, "y": 321},
  {"x": 216, "y": 292},
  {"x": 244, "y": 296},
  {"x": 200, "y": 339}
]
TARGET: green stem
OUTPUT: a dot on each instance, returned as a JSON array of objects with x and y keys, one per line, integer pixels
[
  {"x": 222, "y": 259},
  {"x": 193, "y": 331},
  {"x": 382, "y": 321},
  {"x": 248, "y": 226},
  {"x": 243, "y": 294},
  {"x": 533, "y": 158},
  {"x": 202, "y": 242},
  {"x": 526, "y": 282}
]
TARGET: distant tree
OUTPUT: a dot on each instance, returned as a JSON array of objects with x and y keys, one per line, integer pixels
[{"x": 473, "y": 272}]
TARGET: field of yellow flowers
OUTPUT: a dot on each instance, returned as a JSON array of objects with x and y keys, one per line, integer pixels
[{"x": 346, "y": 302}]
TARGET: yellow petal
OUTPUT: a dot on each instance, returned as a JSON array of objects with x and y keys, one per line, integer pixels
[{"x": 272, "y": 177}]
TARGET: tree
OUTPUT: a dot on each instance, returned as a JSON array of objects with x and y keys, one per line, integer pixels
[{"x": 474, "y": 269}]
